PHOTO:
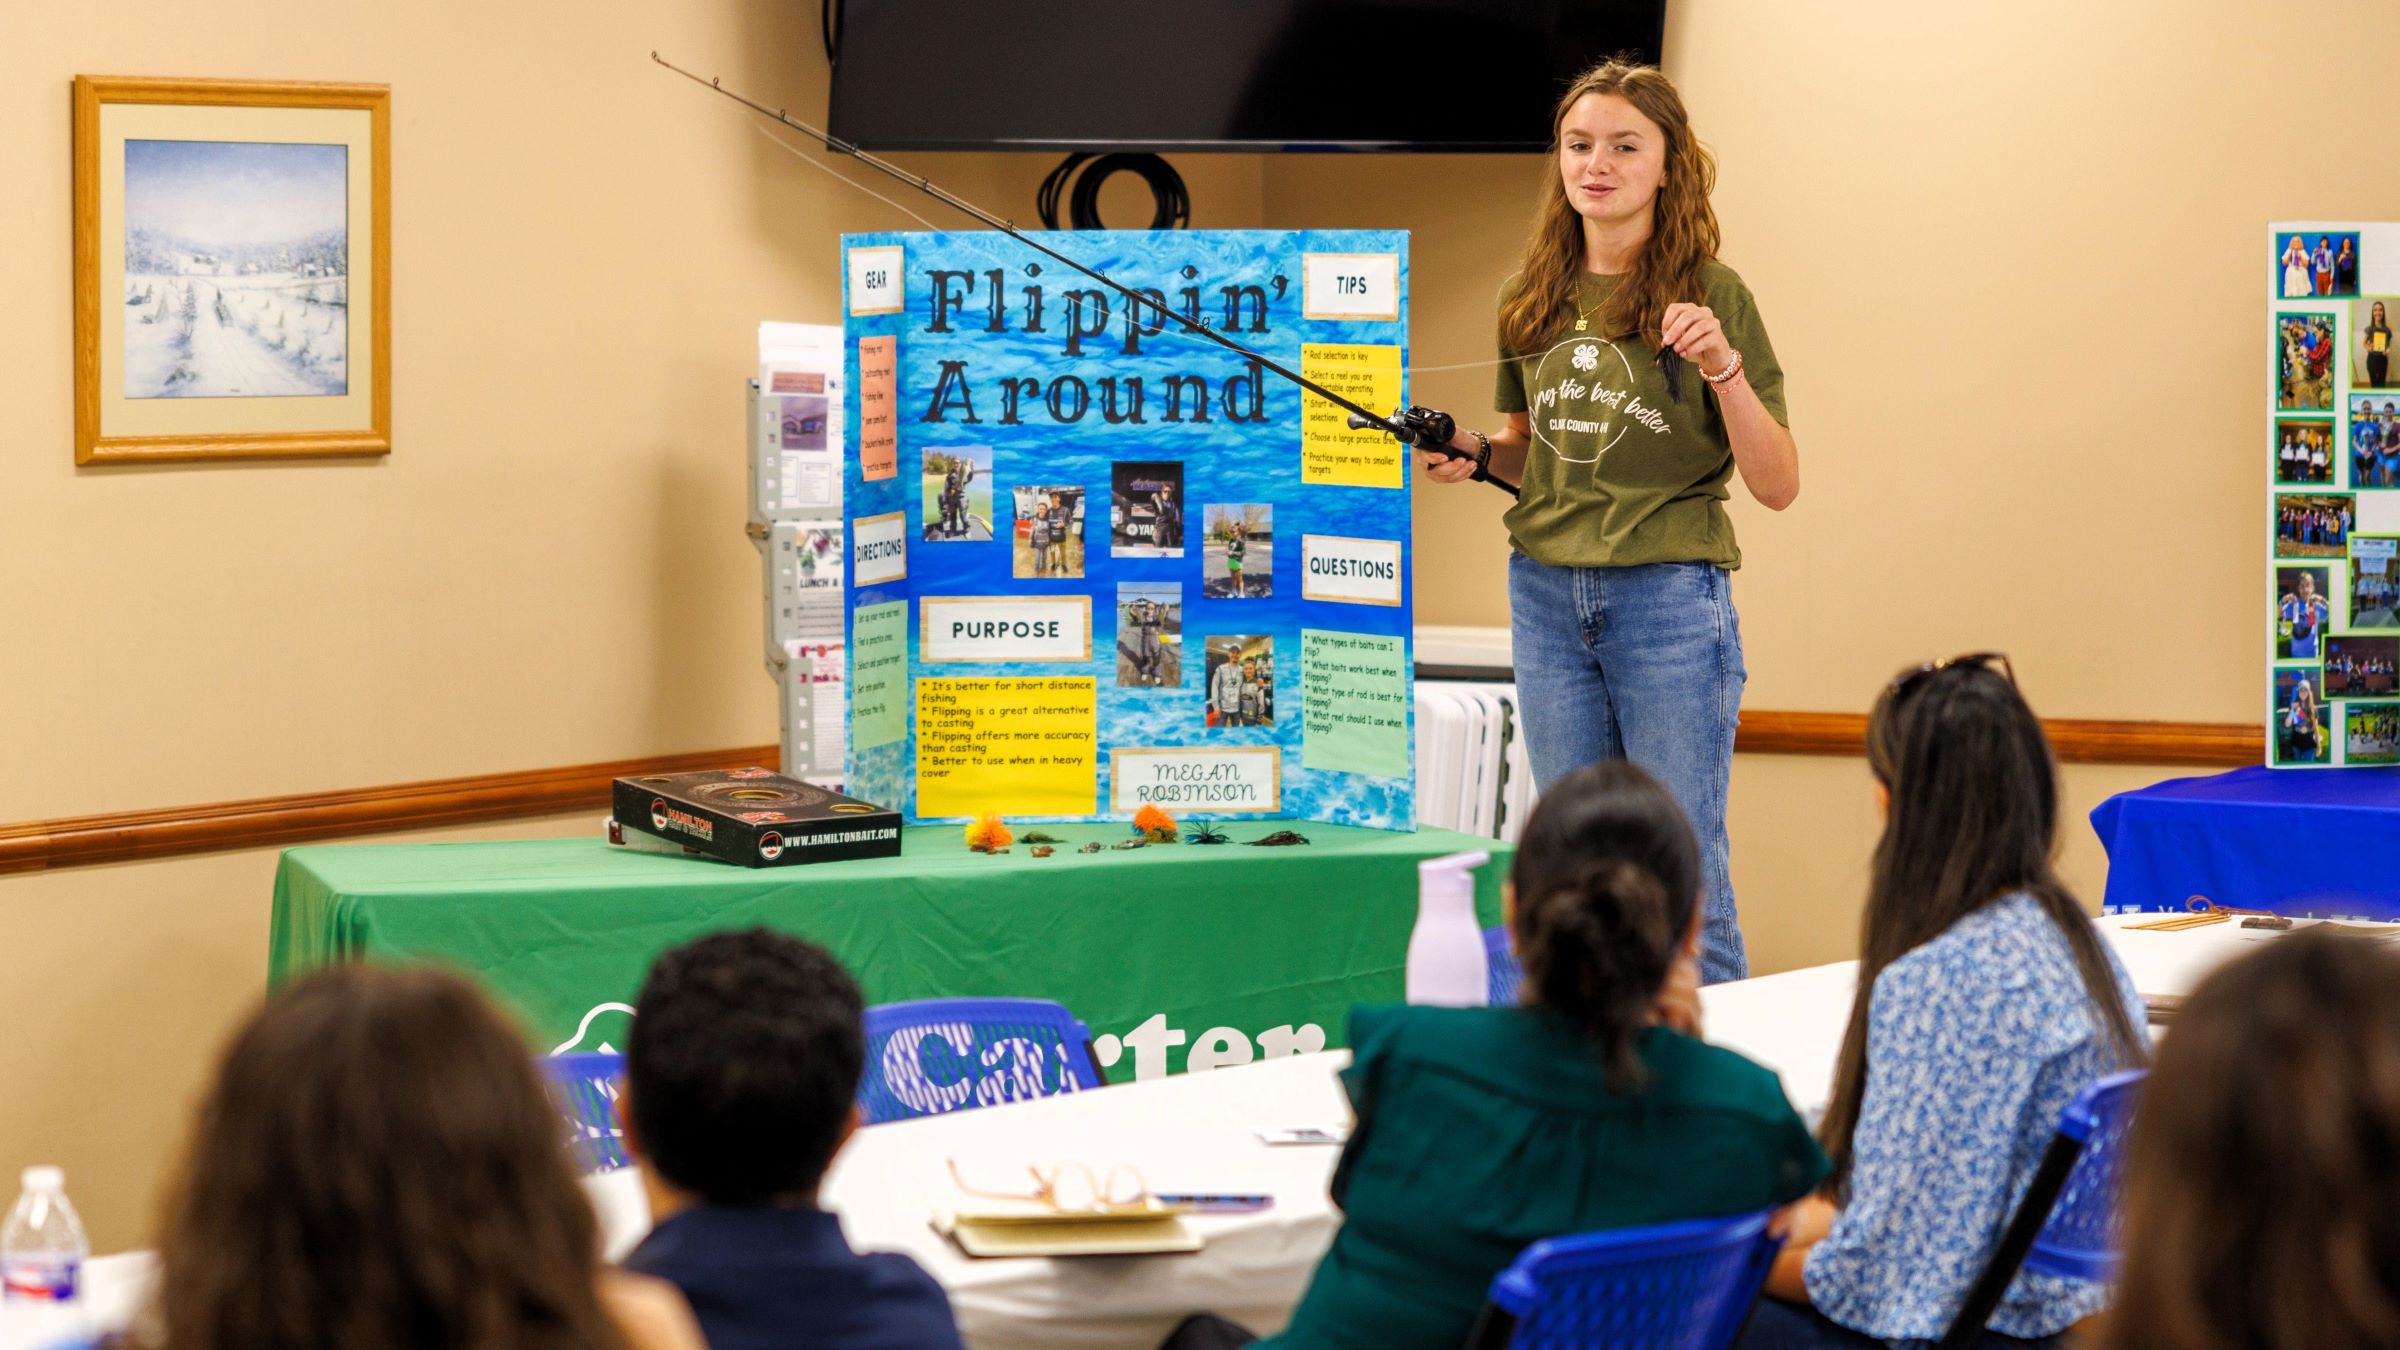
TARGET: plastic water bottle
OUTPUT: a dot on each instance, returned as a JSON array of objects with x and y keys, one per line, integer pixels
[
  {"x": 1446, "y": 964},
  {"x": 42, "y": 1251}
]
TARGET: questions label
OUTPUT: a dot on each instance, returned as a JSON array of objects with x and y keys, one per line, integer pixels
[
  {"x": 1354, "y": 694},
  {"x": 1350, "y": 286},
  {"x": 879, "y": 674},
  {"x": 879, "y": 549},
  {"x": 1331, "y": 453},
  {"x": 1232, "y": 778},
  {"x": 878, "y": 424},
  {"x": 1349, "y": 571},
  {"x": 1013, "y": 747},
  {"x": 1005, "y": 628}
]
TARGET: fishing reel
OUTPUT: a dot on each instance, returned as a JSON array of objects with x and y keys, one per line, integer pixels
[{"x": 1426, "y": 429}]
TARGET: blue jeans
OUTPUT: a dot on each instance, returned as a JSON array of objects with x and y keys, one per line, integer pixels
[{"x": 1641, "y": 663}]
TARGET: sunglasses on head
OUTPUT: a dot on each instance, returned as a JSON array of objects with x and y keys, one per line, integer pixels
[{"x": 1980, "y": 660}]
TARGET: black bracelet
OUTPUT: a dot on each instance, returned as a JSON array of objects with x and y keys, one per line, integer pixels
[{"x": 1483, "y": 459}]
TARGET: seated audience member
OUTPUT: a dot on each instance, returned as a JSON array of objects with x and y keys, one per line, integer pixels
[
  {"x": 1595, "y": 1105},
  {"x": 1986, "y": 1000},
  {"x": 740, "y": 1081},
  {"x": 2264, "y": 1168},
  {"x": 378, "y": 1167}
]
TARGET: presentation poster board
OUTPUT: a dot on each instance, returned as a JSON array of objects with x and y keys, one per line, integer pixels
[
  {"x": 2333, "y": 489},
  {"x": 1098, "y": 562}
]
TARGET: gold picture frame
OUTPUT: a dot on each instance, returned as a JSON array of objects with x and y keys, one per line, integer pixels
[{"x": 228, "y": 234}]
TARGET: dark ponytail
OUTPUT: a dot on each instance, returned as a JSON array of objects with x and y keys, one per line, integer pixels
[{"x": 1607, "y": 877}]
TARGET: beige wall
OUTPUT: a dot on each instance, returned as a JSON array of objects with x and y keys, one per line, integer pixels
[{"x": 2010, "y": 254}]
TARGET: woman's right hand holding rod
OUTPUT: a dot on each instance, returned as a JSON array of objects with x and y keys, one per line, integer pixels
[{"x": 1508, "y": 454}]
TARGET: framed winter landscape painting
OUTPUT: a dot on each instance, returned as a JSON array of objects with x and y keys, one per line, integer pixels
[{"x": 233, "y": 275}]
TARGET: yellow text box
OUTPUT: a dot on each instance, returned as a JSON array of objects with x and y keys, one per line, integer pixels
[
  {"x": 1330, "y": 452},
  {"x": 1013, "y": 747}
]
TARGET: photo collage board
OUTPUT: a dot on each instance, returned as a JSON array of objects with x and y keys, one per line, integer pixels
[
  {"x": 1098, "y": 562},
  {"x": 2333, "y": 516}
]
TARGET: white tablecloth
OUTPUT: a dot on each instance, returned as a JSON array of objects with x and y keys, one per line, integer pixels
[{"x": 1193, "y": 1132}]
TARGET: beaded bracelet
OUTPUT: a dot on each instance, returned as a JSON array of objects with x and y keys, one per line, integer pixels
[{"x": 1732, "y": 369}]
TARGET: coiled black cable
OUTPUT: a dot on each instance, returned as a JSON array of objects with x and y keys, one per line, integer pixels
[{"x": 1174, "y": 200}]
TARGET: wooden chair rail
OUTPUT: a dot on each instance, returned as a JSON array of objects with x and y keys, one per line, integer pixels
[
  {"x": 269, "y": 822},
  {"x": 2221, "y": 745},
  {"x": 266, "y": 822}
]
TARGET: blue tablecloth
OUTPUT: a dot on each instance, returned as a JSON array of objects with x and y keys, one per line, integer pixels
[{"x": 2307, "y": 843}]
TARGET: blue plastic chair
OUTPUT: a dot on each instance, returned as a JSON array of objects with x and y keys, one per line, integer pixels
[
  {"x": 937, "y": 1055},
  {"x": 1508, "y": 975},
  {"x": 585, "y": 1087},
  {"x": 2067, "y": 1222},
  {"x": 1672, "y": 1286}
]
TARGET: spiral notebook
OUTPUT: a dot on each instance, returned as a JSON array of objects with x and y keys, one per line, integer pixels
[{"x": 1124, "y": 1232}]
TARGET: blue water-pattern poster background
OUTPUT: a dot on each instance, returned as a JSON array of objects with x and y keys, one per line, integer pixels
[{"x": 1225, "y": 461}]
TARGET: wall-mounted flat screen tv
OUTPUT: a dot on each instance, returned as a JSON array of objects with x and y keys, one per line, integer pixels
[{"x": 1234, "y": 75}]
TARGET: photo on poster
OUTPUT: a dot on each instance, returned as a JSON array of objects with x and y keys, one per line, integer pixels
[
  {"x": 2371, "y": 733},
  {"x": 2302, "y": 723},
  {"x": 1240, "y": 681},
  {"x": 2374, "y": 581},
  {"x": 2313, "y": 524},
  {"x": 1149, "y": 635},
  {"x": 1049, "y": 532},
  {"x": 1238, "y": 552},
  {"x": 957, "y": 490},
  {"x": 2303, "y": 611},
  {"x": 2371, "y": 357},
  {"x": 2362, "y": 667},
  {"x": 2375, "y": 440},
  {"x": 803, "y": 421},
  {"x": 2303, "y": 452},
  {"x": 2316, "y": 262},
  {"x": 1145, "y": 510},
  {"x": 2303, "y": 362}
]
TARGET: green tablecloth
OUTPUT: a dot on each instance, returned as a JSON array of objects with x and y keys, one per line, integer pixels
[{"x": 1171, "y": 953}]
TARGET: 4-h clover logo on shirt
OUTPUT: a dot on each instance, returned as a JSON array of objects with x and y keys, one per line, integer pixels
[{"x": 1586, "y": 358}]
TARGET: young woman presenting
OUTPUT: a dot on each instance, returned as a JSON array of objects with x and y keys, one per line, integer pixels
[{"x": 1638, "y": 381}]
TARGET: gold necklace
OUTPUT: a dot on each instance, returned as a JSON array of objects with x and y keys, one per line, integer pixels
[{"x": 1583, "y": 321}]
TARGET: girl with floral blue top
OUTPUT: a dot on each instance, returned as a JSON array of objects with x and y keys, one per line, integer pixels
[{"x": 1987, "y": 1000}]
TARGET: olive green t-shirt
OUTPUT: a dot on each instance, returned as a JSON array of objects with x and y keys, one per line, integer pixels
[{"x": 1620, "y": 471}]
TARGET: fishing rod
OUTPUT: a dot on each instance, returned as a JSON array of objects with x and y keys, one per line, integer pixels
[{"x": 1422, "y": 428}]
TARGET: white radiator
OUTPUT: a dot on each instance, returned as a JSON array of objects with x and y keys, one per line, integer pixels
[{"x": 1472, "y": 773}]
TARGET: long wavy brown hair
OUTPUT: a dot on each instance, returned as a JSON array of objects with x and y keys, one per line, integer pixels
[
  {"x": 1683, "y": 226},
  {"x": 1974, "y": 818},
  {"x": 377, "y": 1167},
  {"x": 2264, "y": 1169}
]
